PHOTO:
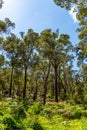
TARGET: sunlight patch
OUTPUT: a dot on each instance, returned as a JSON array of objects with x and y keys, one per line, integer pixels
[{"x": 73, "y": 13}]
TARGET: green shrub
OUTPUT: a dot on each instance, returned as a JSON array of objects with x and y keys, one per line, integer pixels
[
  {"x": 1, "y": 113},
  {"x": 61, "y": 111},
  {"x": 36, "y": 126},
  {"x": 35, "y": 108},
  {"x": 47, "y": 112},
  {"x": 85, "y": 107},
  {"x": 75, "y": 115},
  {"x": 27, "y": 103},
  {"x": 2, "y": 126},
  {"x": 18, "y": 112},
  {"x": 11, "y": 124},
  {"x": 21, "y": 112}
]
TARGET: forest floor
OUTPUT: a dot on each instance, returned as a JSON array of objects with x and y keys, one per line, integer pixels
[{"x": 22, "y": 115}]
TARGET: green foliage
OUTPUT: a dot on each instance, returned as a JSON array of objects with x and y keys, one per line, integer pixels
[
  {"x": 2, "y": 26},
  {"x": 6, "y": 24},
  {"x": 36, "y": 108},
  {"x": 36, "y": 126},
  {"x": 11, "y": 124},
  {"x": 19, "y": 112},
  {"x": 65, "y": 4},
  {"x": 41, "y": 50},
  {"x": 1, "y": 113},
  {"x": 26, "y": 103},
  {"x": 76, "y": 115},
  {"x": 52, "y": 116},
  {"x": 47, "y": 112}
]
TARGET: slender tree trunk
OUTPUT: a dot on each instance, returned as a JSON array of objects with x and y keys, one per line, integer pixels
[
  {"x": 18, "y": 91},
  {"x": 35, "y": 93},
  {"x": 64, "y": 96},
  {"x": 58, "y": 80},
  {"x": 11, "y": 81},
  {"x": 56, "y": 85},
  {"x": 45, "y": 84},
  {"x": 52, "y": 91},
  {"x": 65, "y": 86},
  {"x": 25, "y": 83},
  {"x": 3, "y": 85},
  {"x": 45, "y": 92}
]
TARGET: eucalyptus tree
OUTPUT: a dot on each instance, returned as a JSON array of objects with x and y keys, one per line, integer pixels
[
  {"x": 10, "y": 47},
  {"x": 53, "y": 48},
  {"x": 18, "y": 79},
  {"x": 65, "y": 69},
  {"x": 46, "y": 77},
  {"x": 6, "y": 26},
  {"x": 4, "y": 81},
  {"x": 83, "y": 86},
  {"x": 36, "y": 81},
  {"x": 67, "y": 4},
  {"x": 44, "y": 71},
  {"x": 28, "y": 54},
  {"x": 82, "y": 46},
  {"x": 2, "y": 61},
  {"x": 80, "y": 6}
]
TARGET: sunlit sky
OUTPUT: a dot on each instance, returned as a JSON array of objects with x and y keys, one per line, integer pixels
[{"x": 39, "y": 15}]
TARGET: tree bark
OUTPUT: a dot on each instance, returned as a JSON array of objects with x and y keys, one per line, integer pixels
[
  {"x": 56, "y": 85},
  {"x": 45, "y": 84},
  {"x": 11, "y": 81},
  {"x": 18, "y": 91},
  {"x": 52, "y": 91},
  {"x": 25, "y": 83},
  {"x": 35, "y": 93},
  {"x": 45, "y": 92}
]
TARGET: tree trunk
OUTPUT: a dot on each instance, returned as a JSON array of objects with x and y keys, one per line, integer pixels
[
  {"x": 63, "y": 86},
  {"x": 11, "y": 81},
  {"x": 25, "y": 83},
  {"x": 45, "y": 92},
  {"x": 52, "y": 91},
  {"x": 35, "y": 93},
  {"x": 45, "y": 84},
  {"x": 56, "y": 85},
  {"x": 18, "y": 91}
]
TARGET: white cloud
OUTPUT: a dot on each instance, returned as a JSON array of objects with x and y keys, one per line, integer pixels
[{"x": 73, "y": 13}]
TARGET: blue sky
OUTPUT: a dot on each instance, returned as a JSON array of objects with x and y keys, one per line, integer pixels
[{"x": 39, "y": 15}]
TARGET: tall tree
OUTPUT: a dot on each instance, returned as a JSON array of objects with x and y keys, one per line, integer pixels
[
  {"x": 10, "y": 47},
  {"x": 27, "y": 53},
  {"x": 82, "y": 46},
  {"x": 53, "y": 47}
]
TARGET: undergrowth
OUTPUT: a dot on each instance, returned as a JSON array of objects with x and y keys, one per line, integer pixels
[{"x": 52, "y": 116}]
